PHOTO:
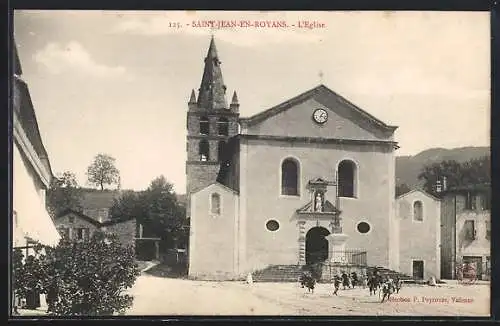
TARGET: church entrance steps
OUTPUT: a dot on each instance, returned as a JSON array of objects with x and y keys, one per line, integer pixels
[
  {"x": 391, "y": 273},
  {"x": 278, "y": 273},
  {"x": 291, "y": 273}
]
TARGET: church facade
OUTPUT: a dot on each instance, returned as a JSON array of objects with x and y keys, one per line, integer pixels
[{"x": 279, "y": 187}]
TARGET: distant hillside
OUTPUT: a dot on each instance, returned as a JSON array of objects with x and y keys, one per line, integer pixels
[{"x": 408, "y": 167}]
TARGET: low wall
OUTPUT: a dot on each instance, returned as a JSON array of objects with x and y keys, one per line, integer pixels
[{"x": 329, "y": 270}]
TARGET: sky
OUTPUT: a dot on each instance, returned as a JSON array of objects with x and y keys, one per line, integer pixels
[{"x": 118, "y": 82}]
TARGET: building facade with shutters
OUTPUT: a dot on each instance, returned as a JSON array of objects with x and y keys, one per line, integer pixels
[
  {"x": 94, "y": 214},
  {"x": 466, "y": 230},
  {"x": 77, "y": 226},
  {"x": 267, "y": 189}
]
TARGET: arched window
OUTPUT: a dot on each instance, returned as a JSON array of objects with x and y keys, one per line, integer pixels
[
  {"x": 290, "y": 177},
  {"x": 204, "y": 126},
  {"x": 204, "y": 151},
  {"x": 215, "y": 204},
  {"x": 220, "y": 149},
  {"x": 223, "y": 126},
  {"x": 418, "y": 211},
  {"x": 347, "y": 179}
]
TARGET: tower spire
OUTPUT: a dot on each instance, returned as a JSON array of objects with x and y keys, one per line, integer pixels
[
  {"x": 212, "y": 92},
  {"x": 192, "y": 98},
  {"x": 235, "y": 98}
]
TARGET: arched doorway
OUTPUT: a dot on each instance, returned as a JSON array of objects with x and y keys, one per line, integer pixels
[{"x": 316, "y": 245}]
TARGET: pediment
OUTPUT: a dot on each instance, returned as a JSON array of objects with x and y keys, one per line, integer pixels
[
  {"x": 294, "y": 118},
  {"x": 320, "y": 182},
  {"x": 329, "y": 209}
]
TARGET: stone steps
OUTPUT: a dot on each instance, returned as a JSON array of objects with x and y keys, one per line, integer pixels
[
  {"x": 291, "y": 273},
  {"x": 391, "y": 273},
  {"x": 278, "y": 273}
]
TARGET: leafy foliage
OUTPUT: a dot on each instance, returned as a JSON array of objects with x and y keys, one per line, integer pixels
[
  {"x": 64, "y": 193},
  {"x": 80, "y": 278},
  {"x": 475, "y": 171},
  {"x": 156, "y": 209},
  {"x": 103, "y": 171},
  {"x": 402, "y": 189}
]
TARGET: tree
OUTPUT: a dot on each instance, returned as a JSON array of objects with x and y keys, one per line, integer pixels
[
  {"x": 156, "y": 209},
  {"x": 103, "y": 171},
  {"x": 130, "y": 204},
  {"x": 165, "y": 212},
  {"x": 402, "y": 189},
  {"x": 475, "y": 171},
  {"x": 64, "y": 193},
  {"x": 86, "y": 278}
]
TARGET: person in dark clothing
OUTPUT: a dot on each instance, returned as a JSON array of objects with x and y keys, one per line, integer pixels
[
  {"x": 354, "y": 278},
  {"x": 345, "y": 280},
  {"x": 336, "y": 284},
  {"x": 397, "y": 284}
]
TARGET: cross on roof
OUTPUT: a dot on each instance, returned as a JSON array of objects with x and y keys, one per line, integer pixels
[{"x": 320, "y": 77}]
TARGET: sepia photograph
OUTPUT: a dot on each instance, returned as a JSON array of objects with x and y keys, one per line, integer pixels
[{"x": 250, "y": 163}]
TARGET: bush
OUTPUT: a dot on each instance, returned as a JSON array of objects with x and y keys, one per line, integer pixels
[{"x": 83, "y": 278}]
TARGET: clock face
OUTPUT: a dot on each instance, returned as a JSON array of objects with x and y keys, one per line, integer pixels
[{"x": 320, "y": 116}]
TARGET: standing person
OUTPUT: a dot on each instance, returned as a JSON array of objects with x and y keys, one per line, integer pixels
[
  {"x": 345, "y": 280},
  {"x": 397, "y": 284},
  {"x": 336, "y": 284},
  {"x": 354, "y": 278}
]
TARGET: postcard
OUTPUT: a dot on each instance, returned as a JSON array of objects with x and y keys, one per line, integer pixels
[{"x": 319, "y": 163}]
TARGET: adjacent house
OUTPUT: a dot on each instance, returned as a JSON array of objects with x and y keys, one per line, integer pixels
[
  {"x": 78, "y": 226},
  {"x": 420, "y": 234},
  {"x": 466, "y": 230},
  {"x": 31, "y": 174},
  {"x": 93, "y": 216}
]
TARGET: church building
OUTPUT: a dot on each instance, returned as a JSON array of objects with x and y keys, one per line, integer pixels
[{"x": 310, "y": 179}]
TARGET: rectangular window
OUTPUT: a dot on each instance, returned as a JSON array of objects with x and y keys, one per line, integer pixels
[
  {"x": 71, "y": 219},
  {"x": 79, "y": 233},
  {"x": 470, "y": 201},
  {"x": 485, "y": 202},
  {"x": 470, "y": 230}
]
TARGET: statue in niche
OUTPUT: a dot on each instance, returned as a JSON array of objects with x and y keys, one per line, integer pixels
[{"x": 318, "y": 207}]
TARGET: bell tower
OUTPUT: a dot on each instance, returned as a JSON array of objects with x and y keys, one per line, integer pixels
[{"x": 210, "y": 123}]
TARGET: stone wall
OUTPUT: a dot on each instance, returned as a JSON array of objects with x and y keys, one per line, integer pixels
[{"x": 125, "y": 232}]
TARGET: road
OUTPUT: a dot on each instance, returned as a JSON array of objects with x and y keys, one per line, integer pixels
[{"x": 166, "y": 296}]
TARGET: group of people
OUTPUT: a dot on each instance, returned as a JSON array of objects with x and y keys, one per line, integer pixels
[
  {"x": 385, "y": 284},
  {"x": 347, "y": 281},
  {"x": 375, "y": 281}
]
